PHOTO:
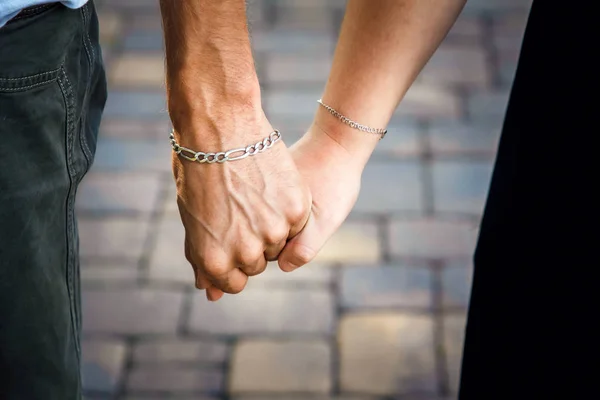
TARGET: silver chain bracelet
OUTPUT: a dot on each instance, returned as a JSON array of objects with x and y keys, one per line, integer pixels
[
  {"x": 353, "y": 124},
  {"x": 222, "y": 156}
]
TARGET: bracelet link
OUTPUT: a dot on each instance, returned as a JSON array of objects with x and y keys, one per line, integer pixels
[
  {"x": 241, "y": 156},
  {"x": 223, "y": 156},
  {"x": 351, "y": 123}
]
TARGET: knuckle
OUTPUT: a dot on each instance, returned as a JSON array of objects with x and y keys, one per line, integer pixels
[
  {"x": 276, "y": 234},
  {"x": 235, "y": 289},
  {"x": 249, "y": 253},
  {"x": 215, "y": 266},
  {"x": 297, "y": 209},
  {"x": 256, "y": 269}
]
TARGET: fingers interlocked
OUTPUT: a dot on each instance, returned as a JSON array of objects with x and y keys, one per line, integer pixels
[{"x": 226, "y": 254}]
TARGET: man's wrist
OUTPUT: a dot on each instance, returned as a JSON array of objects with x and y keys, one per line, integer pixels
[
  {"x": 212, "y": 86},
  {"x": 219, "y": 124},
  {"x": 191, "y": 95},
  {"x": 207, "y": 101}
]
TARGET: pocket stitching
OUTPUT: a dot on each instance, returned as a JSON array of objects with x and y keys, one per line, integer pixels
[
  {"x": 54, "y": 71},
  {"x": 86, "y": 19},
  {"x": 16, "y": 84},
  {"x": 67, "y": 92},
  {"x": 17, "y": 89}
]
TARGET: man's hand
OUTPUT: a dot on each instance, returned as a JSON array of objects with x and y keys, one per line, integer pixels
[{"x": 238, "y": 215}]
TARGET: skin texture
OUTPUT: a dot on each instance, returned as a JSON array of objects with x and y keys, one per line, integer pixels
[
  {"x": 239, "y": 215},
  {"x": 236, "y": 215},
  {"x": 380, "y": 52}
]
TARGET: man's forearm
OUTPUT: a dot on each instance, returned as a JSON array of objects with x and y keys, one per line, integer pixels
[
  {"x": 210, "y": 70},
  {"x": 383, "y": 46}
]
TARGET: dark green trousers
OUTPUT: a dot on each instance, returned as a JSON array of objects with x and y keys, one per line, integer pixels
[{"x": 52, "y": 92}]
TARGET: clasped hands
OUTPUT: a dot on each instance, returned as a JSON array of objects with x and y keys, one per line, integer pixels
[{"x": 282, "y": 204}]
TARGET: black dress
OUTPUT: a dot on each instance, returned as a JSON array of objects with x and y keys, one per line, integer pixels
[{"x": 531, "y": 329}]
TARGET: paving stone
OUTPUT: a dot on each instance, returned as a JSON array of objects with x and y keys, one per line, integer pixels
[
  {"x": 461, "y": 186},
  {"x": 273, "y": 310},
  {"x": 287, "y": 367},
  {"x": 128, "y": 104},
  {"x": 432, "y": 238},
  {"x": 163, "y": 397},
  {"x": 170, "y": 205},
  {"x": 456, "y": 283},
  {"x": 467, "y": 27},
  {"x": 144, "y": 21},
  {"x": 454, "y": 336},
  {"x": 315, "y": 4},
  {"x": 508, "y": 30},
  {"x": 110, "y": 27},
  {"x": 312, "y": 273},
  {"x": 422, "y": 397},
  {"x": 292, "y": 102},
  {"x": 292, "y": 41},
  {"x": 167, "y": 260},
  {"x": 179, "y": 350},
  {"x": 449, "y": 137},
  {"x": 141, "y": 6},
  {"x": 131, "y": 311},
  {"x": 508, "y": 52},
  {"x": 512, "y": 23},
  {"x": 112, "y": 237},
  {"x": 488, "y": 107},
  {"x": 453, "y": 64},
  {"x": 386, "y": 354},
  {"x": 386, "y": 286},
  {"x": 507, "y": 68},
  {"x": 292, "y": 127},
  {"x": 133, "y": 70},
  {"x": 119, "y": 192},
  {"x": 355, "y": 242},
  {"x": 144, "y": 40},
  {"x": 508, "y": 37},
  {"x": 430, "y": 101},
  {"x": 102, "y": 365},
  {"x": 134, "y": 129},
  {"x": 298, "y": 68},
  {"x": 497, "y": 6},
  {"x": 133, "y": 155},
  {"x": 306, "y": 17},
  {"x": 390, "y": 186},
  {"x": 174, "y": 379},
  {"x": 175, "y": 397},
  {"x": 108, "y": 274},
  {"x": 300, "y": 397},
  {"x": 257, "y": 15},
  {"x": 402, "y": 140}
]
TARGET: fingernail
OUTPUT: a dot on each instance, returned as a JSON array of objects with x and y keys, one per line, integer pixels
[
  {"x": 209, "y": 296},
  {"x": 289, "y": 267}
]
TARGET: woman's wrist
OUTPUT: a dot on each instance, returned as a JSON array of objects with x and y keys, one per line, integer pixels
[{"x": 358, "y": 145}]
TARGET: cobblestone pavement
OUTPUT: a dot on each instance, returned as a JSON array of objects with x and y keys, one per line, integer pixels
[{"x": 380, "y": 315}]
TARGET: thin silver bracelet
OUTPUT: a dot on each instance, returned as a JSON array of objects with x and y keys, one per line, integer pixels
[
  {"x": 222, "y": 156},
  {"x": 353, "y": 124}
]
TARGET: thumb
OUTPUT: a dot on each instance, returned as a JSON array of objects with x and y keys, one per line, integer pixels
[{"x": 302, "y": 248}]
